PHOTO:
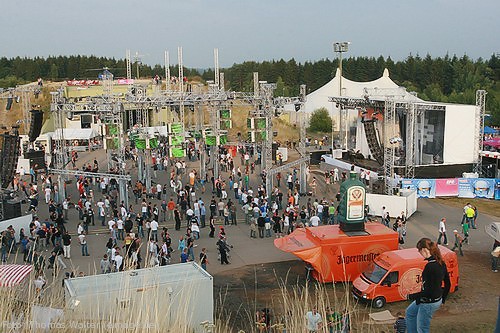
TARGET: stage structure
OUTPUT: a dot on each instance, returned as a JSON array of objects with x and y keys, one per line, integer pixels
[
  {"x": 402, "y": 135},
  {"x": 136, "y": 106}
]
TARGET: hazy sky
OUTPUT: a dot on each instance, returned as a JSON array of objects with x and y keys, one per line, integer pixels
[{"x": 248, "y": 30}]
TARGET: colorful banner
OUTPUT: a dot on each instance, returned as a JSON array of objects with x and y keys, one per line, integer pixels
[
  {"x": 124, "y": 81},
  {"x": 426, "y": 188},
  {"x": 452, "y": 187},
  {"x": 447, "y": 187},
  {"x": 223, "y": 139},
  {"x": 476, "y": 187},
  {"x": 83, "y": 82},
  {"x": 497, "y": 189}
]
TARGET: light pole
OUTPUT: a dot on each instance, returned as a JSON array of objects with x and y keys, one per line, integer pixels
[{"x": 341, "y": 47}]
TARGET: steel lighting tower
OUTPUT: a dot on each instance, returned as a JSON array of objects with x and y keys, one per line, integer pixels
[{"x": 341, "y": 47}]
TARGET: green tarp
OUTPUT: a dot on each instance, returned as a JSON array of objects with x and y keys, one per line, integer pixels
[
  {"x": 226, "y": 124},
  {"x": 176, "y": 140},
  {"x": 112, "y": 143},
  {"x": 153, "y": 143},
  {"x": 140, "y": 143},
  {"x": 175, "y": 128},
  {"x": 210, "y": 140},
  {"x": 260, "y": 123},
  {"x": 177, "y": 152},
  {"x": 112, "y": 129},
  {"x": 225, "y": 114}
]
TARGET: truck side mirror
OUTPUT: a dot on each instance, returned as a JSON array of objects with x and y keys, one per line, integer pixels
[{"x": 387, "y": 283}]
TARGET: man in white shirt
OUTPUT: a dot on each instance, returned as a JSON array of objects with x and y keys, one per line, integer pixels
[
  {"x": 83, "y": 242},
  {"x": 314, "y": 321},
  {"x": 119, "y": 226},
  {"x": 79, "y": 230},
  {"x": 65, "y": 206},
  {"x": 48, "y": 192},
  {"x": 442, "y": 231},
  {"x": 235, "y": 188},
  {"x": 118, "y": 262},
  {"x": 37, "y": 224},
  {"x": 123, "y": 212},
  {"x": 319, "y": 210},
  {"x": 22, "y": 173},
  {"x": 154, "y": 230},
  {"x": 335, "y": 175},
  {"x": 362, "y": 176},
  {"x": 314, "y": 221},
  {"x": 111, "y": 224},
  {"x": 159, "y": 189}
]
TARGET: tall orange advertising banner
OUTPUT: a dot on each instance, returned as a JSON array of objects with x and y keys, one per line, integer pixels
[{"x": 336, "y": 255}]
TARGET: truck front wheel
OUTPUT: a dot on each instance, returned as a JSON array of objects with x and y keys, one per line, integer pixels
[{"x": 378, "y": 302}]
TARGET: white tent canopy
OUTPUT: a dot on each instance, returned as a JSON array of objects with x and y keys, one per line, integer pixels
[
  {"x": 74, "y": 134},
  {"x": 377, "y": 89}
]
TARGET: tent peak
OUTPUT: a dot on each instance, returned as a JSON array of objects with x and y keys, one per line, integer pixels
[{"x": 386, "y": 73}]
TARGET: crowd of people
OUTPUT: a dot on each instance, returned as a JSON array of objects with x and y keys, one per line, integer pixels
[{"x": 140, "y": 237}]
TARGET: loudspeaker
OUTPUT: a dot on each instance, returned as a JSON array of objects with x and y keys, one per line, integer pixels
[
  {"x": 10, "y": 153},
  {"x": 36, "y": 124},
  {"x": 37, "y": 159},
  {"x": 11, "y": 209},
  {"x": 9, "y": 103}
]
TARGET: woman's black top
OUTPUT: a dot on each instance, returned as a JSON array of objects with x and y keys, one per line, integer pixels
[{"x": 432, "y": 279}]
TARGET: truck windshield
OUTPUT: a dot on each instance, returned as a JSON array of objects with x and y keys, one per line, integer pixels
[{"x": 374, "y": 273}]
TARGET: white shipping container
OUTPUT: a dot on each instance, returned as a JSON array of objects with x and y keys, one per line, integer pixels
[{"x": 153, "y": 297}]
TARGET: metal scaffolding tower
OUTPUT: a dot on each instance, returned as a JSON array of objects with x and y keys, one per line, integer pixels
[
  {"x": 129, "y": 64},
  {"x": 479, "y": 130},
  {"x": 181, "y": 89},
  {"x": 266, "y": 91},
  {"x": 167, "y": 71},
  {"x": 410, "y": 141},
  {"x": 389, "y": 145}
]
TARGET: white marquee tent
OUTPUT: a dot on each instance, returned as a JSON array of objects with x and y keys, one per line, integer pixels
[
  {"x": 378, "y": 89},
  {"x": 459, "y": 137}
]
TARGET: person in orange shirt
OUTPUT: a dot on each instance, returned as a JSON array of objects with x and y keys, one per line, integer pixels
[{"x": 171, "y": 207}]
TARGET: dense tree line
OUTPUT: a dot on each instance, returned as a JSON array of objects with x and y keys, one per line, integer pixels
[{"x": 447, "y": 79}]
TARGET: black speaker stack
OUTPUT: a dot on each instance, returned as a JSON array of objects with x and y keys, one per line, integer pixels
[
  {"x": 35, "y": 125},
  {"x": 10, "y": 153}
]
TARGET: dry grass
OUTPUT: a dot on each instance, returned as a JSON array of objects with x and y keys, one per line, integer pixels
[
  {"x": 151, "y": 313},
  {"x": 484, "y": 206}
]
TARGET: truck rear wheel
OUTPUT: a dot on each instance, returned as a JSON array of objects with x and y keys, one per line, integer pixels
[{"x": 378, "y": 302}]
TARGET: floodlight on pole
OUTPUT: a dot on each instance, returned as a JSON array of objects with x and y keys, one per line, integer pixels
[{"x": 341, "y": 47}]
